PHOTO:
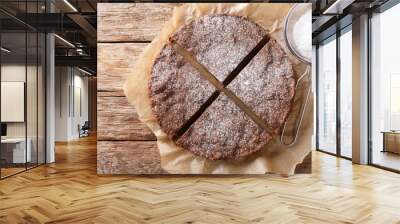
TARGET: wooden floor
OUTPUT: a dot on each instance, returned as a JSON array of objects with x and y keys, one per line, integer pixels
[
  {"x": 10, "y": 171},
  {"x": 387, "y": 159},
  {"x": 69, "y": 191}
]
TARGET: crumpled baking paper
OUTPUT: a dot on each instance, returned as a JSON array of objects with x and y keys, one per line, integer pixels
[{"x": 275, "y": 157}]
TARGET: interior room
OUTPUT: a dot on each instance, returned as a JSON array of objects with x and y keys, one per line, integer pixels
[
  {"x": 179, "y": 112},
  {"x": 22, "y": 102}
]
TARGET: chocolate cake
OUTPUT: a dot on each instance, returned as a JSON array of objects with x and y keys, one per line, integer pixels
[
  {"x": 219, "y": 42},
  {"x": 200, "y": 117}
]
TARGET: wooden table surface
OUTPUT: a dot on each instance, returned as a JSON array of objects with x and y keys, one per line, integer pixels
[{"x": 125, "y": 145}]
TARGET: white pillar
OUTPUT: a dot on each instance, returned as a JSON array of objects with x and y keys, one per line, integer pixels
[
  {"x": 360, "y": 90},
  {"x": 50, "y": 91},
  {"x": 50, "y": 99}
]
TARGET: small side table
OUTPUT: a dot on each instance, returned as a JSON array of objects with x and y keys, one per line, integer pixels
[{"x": 391, "y": 141}]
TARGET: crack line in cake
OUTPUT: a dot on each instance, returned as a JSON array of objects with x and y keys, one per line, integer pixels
[
  {"x": 196, "y": 115},
  {"x": 220, "y": 86}
]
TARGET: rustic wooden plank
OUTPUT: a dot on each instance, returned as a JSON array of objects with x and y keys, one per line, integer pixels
[
  {"x": 142, "y": 157},
  {"x": 114, "y": 63},
  {"x": 118, "y": 120},
  {"x": 128, "y": 157},
  {"x": 131, "y": 21},
  {"x": 111, "y": 93}
]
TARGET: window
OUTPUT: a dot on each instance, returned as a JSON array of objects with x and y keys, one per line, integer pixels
[
  {"x": 326, "y": 99},
  {"x": 346, "y": 93},
  {"x": 22, "y": 77},
  {"x": 334, "y": 106},
  {"x": 385, "y": 89}
]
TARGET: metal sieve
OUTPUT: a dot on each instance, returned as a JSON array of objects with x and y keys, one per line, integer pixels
[{"x": 295, "y": 13}]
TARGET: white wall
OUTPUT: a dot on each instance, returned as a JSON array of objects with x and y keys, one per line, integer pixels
[
  {"x": 80, "y": 110},
  {"x": 70, "y": 109},
  {"x": 17, "y": 72},
  {"x": 13, "y": 101},
  {"x": 62, "y": 81},
  {"x": 14, "y": 72}
]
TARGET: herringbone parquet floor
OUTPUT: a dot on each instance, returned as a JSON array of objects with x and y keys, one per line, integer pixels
[{"x": 69, "y": 191}]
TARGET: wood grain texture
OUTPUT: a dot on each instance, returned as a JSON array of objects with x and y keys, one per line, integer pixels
[
  {"x": 70, "y": 191},
  {"x": 128, "y": 157},
  {"x": 117, "y": 120},
  {"x": 114, "y": 63},
  {"x": 131, "y": 21},
  {"x": 110, "y": 93}
]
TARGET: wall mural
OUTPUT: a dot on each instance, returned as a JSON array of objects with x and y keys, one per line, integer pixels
[{"x": 220, "y": 89}]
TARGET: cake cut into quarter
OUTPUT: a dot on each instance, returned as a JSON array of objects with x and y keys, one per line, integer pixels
[
  {"x": 219, "y": 42},
  {"x": 185, "y": 103},
  {"x": 267, "y": 84}
]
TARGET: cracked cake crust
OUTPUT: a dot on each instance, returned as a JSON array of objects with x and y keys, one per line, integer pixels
[{"x": 223, "y": 131}]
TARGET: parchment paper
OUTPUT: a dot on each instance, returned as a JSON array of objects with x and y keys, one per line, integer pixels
[{"x": 275, "y": 157}]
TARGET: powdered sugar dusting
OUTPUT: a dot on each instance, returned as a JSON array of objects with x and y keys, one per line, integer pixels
[{"x": 223, "y": 131}]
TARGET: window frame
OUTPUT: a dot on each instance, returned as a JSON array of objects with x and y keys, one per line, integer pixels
[
  {"x": 31, "y": 30},
  {"x": 334, "y": 37}
]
